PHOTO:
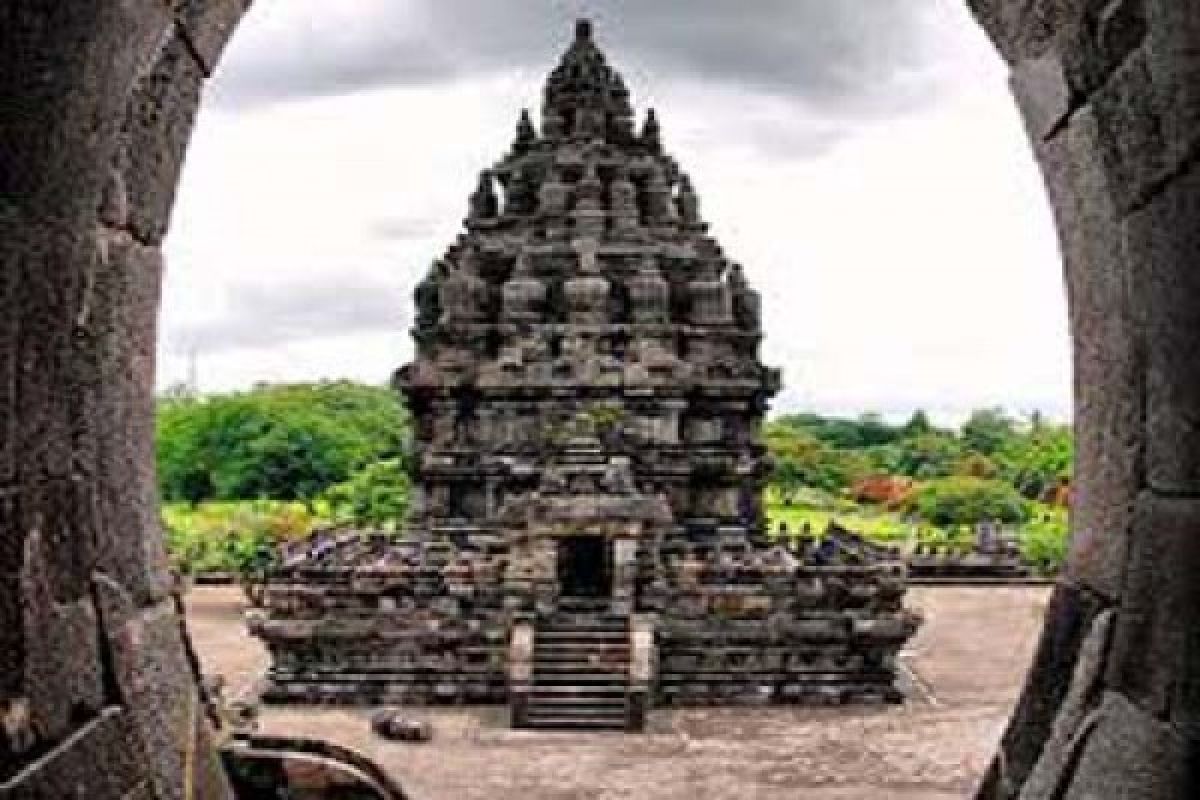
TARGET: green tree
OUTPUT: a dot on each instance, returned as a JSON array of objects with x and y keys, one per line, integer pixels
[
  {"x": 988, "y": 430},
  {"x": 918, "y": 425},
  {"x": 376, "y": 496},
  {"x": 281, "y": 442},
  {"x": 965, "y": 500}
]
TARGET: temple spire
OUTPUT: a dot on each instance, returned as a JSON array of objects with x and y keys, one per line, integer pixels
[
  {"x": 583, "y": 84},
  {"x": 526, "y": 134},
  {"x": 652, "y": 132}
]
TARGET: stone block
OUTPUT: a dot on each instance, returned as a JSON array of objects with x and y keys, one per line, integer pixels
[
  {"x": 71, "y": 770},
  {"x": 1025, "y": 30},
  {"x": 1069, "y": 618},
  {"x": 67, "y": 70},
  {"x": 1075, "y": 719},
  {"x": 152, "y": 673},
  {"x": 118, "y": 453},
  {"x": 154, "y": 138},
  {"x": 1156, "y": 646},
  {"x": 1133, "y": 756},
  {"x": 1164, "y": 244},
  {"x": 1041, "y": 91},
  {"x": 1108, "y": 359},
  {"x": 1173, "y": 64},
  {"x": 58, "y": 668},
  {"x": 208, "y": 25},
  {"x": 1130, "y": 132},
  {"x": 50, "y": 266}
]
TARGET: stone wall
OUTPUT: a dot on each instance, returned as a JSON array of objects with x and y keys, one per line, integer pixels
[
  {"x": 1110, "y": 95},
  {"x": 417, "y": 627},
  {"x": 97, "y": 697},
  {"x": 813, "y": 635}
]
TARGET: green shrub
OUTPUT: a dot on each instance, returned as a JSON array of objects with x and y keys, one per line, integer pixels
[
  {"x": 1045, "y": 540},
  {"x": 376, "y": 496},
  {"x": 238, "y": 538},
  {"x": 965, "y": 500}
]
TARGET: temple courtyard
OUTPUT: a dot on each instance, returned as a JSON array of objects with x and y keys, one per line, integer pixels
[{"x": 963, "y": 671}]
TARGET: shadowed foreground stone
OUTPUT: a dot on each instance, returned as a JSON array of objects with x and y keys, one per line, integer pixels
[{"x": 1107, "y": 88}]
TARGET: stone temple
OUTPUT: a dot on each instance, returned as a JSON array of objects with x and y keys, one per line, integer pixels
[{"x": 588, "y": 537}]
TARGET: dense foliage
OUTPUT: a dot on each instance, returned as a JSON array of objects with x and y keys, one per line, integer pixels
[
  {"x": 1032, "y": 456},
  {"x": 275, "y": 442},
  {"x": 964, "y": 500},
  {"x": 374, "y": 497},
  {"x": 995, "y": 468},
  {"x": 235, "y": 538}
]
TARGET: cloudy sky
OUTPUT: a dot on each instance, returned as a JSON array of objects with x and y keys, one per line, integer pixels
[{"x": 861, "y": 157}]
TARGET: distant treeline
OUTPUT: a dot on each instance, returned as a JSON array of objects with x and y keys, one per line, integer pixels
[{"x": 1031, "y": 455}]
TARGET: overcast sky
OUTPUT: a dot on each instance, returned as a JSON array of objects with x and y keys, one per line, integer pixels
[{"x": 862, "y": 158}]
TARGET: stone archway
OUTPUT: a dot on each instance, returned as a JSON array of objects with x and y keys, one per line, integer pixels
[{"x": 98, "y": 105}]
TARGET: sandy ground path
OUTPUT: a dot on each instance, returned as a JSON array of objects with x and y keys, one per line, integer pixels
[{"x": 966, "y": 667}]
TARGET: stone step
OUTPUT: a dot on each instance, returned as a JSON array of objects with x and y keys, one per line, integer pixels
[
  {"x": 581, "y": 711},
  {"x": 565, "y": 678},
  {"x": 582, "y": 647},
  {"x": 612, "y": 655},
  {"x": 577, "y": 704},
  {"x": 620, "y": 630},
  {"x": 616, "y": 666},
  {"x": 582, "y": 650},
  {"x": 575, "y": 724},
  {"x": 580, "y": 634},
  {"x": 566, "y": 666},
  {"x": 571, "y": 690}
]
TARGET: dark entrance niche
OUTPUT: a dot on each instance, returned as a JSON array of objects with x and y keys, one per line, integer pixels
[{"x": 584, "y": 567}]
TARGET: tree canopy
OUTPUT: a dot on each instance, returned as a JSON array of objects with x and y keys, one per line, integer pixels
[{"x": 284, "y": 442}]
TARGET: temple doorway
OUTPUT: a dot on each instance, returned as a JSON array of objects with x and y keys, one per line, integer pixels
[{"x": 585, "y": 567}]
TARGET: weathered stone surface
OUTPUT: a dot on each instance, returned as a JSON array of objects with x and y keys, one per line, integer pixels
[
  {"x": 1174, "y": 70},
  {"x": 1040, "y": 88},
  {"x": 1130, "y": 138},
  {"x": 1156, "y": 650},
  {"x": 119, "y": 323},
  {"x": 1069, "y": 618},
  {"x": 1164, "y": 240},
  {"x": 1025, "y": 29},
  {"x": 154, "y": 678},
  {"x": 1133, "y": 756},
  {"x": 99, "y": 761},
  {"x": 1108, "y": 357},
  {"x": 67, "y": 70},
  {"x": 208, "y": 25},
  {"x": 61, "y": 677},
  {"x": 1075, "y": 721},
  {"x": 154, "y": 139}
]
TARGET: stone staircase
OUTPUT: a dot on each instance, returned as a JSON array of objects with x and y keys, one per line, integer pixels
[{"x": 580, "y": 672}]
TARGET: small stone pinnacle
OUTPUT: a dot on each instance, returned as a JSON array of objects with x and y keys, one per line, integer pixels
[{"x": 583, "y": 29}]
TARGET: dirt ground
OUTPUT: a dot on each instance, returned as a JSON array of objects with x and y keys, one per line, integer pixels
[{"x": 964, "y": 670}]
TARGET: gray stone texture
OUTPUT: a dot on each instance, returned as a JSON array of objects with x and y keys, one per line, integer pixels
[
  {"x": 1132, "y": 756},
  {"x": 93, "y": 672},
  {"x": 1117, "y": 157},
  {"x": 1156, "y": 654},
  {"x": 1165, "y": 239}
]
